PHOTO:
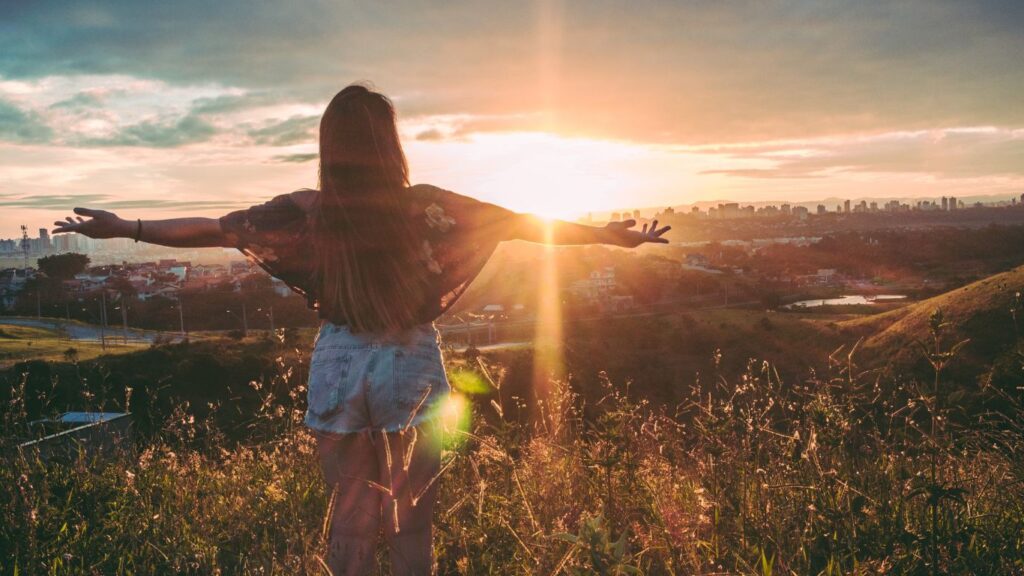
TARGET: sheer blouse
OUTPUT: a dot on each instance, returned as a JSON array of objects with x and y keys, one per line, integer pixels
[{"x": 459, "y": 234}]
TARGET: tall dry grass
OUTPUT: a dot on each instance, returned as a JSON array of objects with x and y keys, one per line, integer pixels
[{"x": 841, "y": 473}]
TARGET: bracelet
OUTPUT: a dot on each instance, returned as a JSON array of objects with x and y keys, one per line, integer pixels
[{"x": 138, "y": 231}]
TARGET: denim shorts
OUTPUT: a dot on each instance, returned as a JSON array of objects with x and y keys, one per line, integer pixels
[{"x": 369, "y": 381}]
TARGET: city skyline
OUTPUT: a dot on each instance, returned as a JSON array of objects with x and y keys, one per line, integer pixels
[{"x": 159, "y": 111}]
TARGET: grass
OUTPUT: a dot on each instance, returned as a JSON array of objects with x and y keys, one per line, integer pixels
[
  {"x": 832, "y": 475},
  {"x": 20, "y": 343}
]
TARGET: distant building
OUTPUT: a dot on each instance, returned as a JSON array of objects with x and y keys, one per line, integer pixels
[
  {"x": 597, "y": 286},
  {"x": 822, "y": 209},
  {"x": 846, "y": 206}
]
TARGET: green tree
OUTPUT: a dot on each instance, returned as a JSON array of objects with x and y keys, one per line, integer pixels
[{"x": 63, "y": 266}]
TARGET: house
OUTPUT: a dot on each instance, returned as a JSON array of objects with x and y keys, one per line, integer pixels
[{"x": 596, "y": 286}]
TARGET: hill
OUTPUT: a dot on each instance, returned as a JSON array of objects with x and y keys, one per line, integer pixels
[{"x": 981, "y": 312}]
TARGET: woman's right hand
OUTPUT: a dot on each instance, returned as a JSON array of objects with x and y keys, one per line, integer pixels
[
  {"x": 621, "y": 235},
  {"x": 101, "y": 224}
]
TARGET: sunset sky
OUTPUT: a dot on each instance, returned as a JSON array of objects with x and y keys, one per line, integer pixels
[{"x": 196, "y": 108}]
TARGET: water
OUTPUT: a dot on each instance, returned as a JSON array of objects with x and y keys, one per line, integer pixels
[{"x": 850, "y": 300}]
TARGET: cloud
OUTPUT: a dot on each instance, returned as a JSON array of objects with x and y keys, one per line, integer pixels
[
  {"x": 234, "y": 102},
  {"x": 79, "y": 101},
  {"x": 21, "y": 126},
  {"x": 294, "y": 130},
  {"x": 646, "y": 71},
  {"x": 106, "y": 202},
  {"x": 948, "y": 153},
  {"x": 296, "y": 158},
  {"x": 431, "y": 134},
  {"x": 189, "y": 129}
]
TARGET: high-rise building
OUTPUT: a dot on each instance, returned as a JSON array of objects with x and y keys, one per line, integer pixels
[
  {"x": 44, "y": 240},
  {"x": 636, "y": 215},
  {"x": 945, "y": 203},
  {"x": 846, "y": 206},
  {"x": 822, "y": 209},
  {"x": 952, "y": 203}
]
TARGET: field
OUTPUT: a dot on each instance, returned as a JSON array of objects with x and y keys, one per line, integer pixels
[
  {"x": 713, "y": 442},
  {"x": 18, "y": 343}
]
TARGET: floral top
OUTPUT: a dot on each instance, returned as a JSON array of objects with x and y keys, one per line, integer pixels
[{"x": 459, "y": 235}]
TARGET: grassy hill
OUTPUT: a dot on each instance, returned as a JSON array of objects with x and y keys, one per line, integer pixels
[
  {"x": 20, "y": 343},
  {"x": 982, "y": 312}
]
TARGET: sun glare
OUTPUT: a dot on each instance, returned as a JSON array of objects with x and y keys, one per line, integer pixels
[
  {"x": 543, "y": 174},
  {"x": 548, "y": 360}
]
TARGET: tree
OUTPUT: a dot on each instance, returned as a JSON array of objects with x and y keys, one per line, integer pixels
[{"x": 63, "y": 266}]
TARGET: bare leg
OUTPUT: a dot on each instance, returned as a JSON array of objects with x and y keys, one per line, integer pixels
[
  {"x": 415, "y": 458},
  {"x": 349, "y": 464}
]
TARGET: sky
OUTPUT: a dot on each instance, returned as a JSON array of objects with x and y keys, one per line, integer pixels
[{"x": 195, "y": 108}]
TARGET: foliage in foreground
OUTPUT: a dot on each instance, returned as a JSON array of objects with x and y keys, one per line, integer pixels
[{"x": 840, "y": 474}]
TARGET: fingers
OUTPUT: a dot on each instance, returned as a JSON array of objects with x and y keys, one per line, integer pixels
[
  {"x": 628, "y": 223},
  {"x": 86, "y": 211}
]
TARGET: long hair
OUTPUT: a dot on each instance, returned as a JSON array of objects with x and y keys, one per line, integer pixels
[{"x": 367, "y": 273}]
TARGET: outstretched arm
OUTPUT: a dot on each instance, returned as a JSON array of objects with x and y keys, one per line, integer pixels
[
  {"x": 535, "y": 229},
  {"x": 175, "y": 232}
]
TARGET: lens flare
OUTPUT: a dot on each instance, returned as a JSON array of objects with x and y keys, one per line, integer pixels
[
  {"x": 548, "y": 356},
  {"x": 456, "y": 414}
]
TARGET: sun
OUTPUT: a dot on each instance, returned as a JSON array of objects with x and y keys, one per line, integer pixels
[{"x": 539, "y": 173}]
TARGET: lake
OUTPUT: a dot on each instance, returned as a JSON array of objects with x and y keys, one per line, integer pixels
[{"x": 851, "y": 300}]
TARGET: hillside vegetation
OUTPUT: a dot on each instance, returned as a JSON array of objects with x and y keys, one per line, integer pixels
[
  {"x": 20, "y": 343},
  {"x": 708, "y": 443},
  {"x": 985, "y": 313}
]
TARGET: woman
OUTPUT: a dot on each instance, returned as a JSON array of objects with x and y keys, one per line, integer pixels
[{"x": 379, "y": 260}]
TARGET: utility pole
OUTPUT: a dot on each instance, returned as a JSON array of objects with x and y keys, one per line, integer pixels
[
  {"x": 25, "y": 244},
  {"x": 124, "y": 317},
  {"x": 103, "y": 319},
  {"x": 181, "y": 319}
]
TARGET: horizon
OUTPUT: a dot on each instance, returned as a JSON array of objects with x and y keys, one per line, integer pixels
[{"x": 157, "y": 112}]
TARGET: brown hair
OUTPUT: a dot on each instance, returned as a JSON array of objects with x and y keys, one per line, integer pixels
[{"x": 367, "y": 273}]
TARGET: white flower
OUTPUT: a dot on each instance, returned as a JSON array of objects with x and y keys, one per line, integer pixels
[{"x": 436, "y": 218}]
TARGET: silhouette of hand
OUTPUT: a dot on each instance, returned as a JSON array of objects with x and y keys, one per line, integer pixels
[
  {"x": 101, "y": 224},
  {"x": 623, "y": 236}
]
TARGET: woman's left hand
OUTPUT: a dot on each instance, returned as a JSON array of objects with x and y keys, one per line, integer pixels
[{"x": 621, "y": 235}]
